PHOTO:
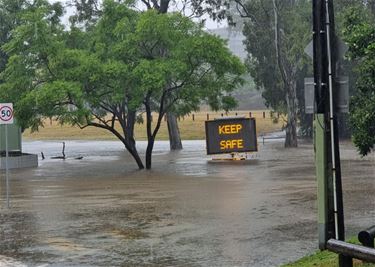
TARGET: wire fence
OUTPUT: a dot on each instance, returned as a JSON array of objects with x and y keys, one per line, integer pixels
[{"x": 203, "y": 116}]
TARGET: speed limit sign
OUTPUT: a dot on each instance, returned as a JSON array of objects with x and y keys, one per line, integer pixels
[{"x": 6, "y": 113}]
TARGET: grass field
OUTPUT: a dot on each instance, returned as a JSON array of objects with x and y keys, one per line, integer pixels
[{"x": 189, "y": 129}]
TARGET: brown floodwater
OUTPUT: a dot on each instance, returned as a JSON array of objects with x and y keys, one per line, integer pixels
[{"x": 187, "y": 211}]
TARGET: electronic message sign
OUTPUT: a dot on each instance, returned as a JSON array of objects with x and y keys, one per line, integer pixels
[{"x": 231, "y": 135}]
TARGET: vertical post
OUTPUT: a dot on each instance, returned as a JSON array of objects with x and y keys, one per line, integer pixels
[
  {"x": 250, "y": 114},
  {"x": 321, "y": 176},
  {"x": 208, "y": 117},
  {"x": 264, "y": 115},
  {"x": 193, "y": 117},
  {"x": 330, "y": 205},
  {"x": 6, "y": 164}
]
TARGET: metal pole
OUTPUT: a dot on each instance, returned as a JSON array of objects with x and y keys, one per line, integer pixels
[
  {"x": 6, "y": 164},
  {"x": 344, "y": 260},
  {"x": 332, "y": 130},
  {"x": 322, "y": 178},
  {"x": 325, "y": 222}
]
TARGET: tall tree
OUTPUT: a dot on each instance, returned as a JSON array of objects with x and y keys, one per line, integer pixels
[
  {"x": 88, "y": 11},
  {"x": 217, "y": 10},
  {"x": 127, "y": 64},
  {"x": 276, "y": 33}
]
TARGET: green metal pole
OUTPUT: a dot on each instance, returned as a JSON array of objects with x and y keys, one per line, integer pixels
[{"x": 322, "y": 178}]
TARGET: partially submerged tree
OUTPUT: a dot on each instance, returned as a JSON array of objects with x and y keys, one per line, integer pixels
[
  {"x": 218, "y": 10},
  {"x": 126, "y": 64},
  {"x": 88, "y": 12}
]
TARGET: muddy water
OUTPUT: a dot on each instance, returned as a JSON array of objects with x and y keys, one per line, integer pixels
[{"x": 187, "y": 211}]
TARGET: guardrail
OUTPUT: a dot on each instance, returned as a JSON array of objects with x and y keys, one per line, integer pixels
[
  {"x": 366, "y": 237},
  {"x": 351, "y": 250}
]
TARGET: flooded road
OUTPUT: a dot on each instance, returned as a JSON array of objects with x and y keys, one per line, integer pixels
[{"x": 187, "y": 211}]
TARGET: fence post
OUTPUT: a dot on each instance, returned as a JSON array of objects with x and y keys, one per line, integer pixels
[
  {"x": 208, "y": 116},
  {"x": 264, "y": 115},
  {"x": 193, "y": 117}
]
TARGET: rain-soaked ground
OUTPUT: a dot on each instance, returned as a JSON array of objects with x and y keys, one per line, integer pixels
[{"x": 187, "y": 211}]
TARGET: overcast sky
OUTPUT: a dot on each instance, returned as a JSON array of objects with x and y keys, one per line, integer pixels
[{"x": 210, "y": 24}]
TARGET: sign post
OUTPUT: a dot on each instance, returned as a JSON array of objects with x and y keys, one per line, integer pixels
[{"x": 6, "y": 117}]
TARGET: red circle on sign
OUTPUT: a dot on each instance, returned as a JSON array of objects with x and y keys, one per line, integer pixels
[{"x": 8, "y": 117}]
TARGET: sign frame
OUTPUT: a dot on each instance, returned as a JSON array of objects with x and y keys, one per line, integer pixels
[
  {"x": 250, "y": 138},
  {"x": 9, "y": 120},
  {"x": 8, "y": 106}
]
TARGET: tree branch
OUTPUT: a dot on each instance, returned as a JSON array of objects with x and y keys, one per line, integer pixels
[{"x": 147, "y": 3}]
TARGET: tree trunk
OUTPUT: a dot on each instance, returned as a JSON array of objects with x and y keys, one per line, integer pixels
[
  {"x": 128, "y": 130},
  {"x": 149, "y": 149},
  {"x": 290, "y": 86},
  {"x": 174, "y": 132},
  {"x": 133, "y": 151},
  {"x": 291, "y": 127}
]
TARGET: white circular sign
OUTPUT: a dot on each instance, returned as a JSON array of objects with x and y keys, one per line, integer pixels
[{"x": 6, "y": 113}]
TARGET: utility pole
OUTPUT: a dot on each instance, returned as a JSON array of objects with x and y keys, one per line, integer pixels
[{"x": 327, "y": 154}]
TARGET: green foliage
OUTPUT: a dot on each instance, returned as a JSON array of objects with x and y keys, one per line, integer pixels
[
  {"x": 124, "y": 64},
  {"x": 276, "y": 34},
  {"x": 360, "y": 34},
  {"x": 10, "y": 12},
  {"x": 260, "y": 43}
]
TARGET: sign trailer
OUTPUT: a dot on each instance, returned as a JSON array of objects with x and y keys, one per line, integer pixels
[
  {"x": 231, "y": 135},
  {"x": 6, "y": 117}
]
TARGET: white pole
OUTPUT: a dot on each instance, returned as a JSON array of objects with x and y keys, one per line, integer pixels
[
  {"x": 6, "y": 163},
  {"x": 330, "y": 82}
]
